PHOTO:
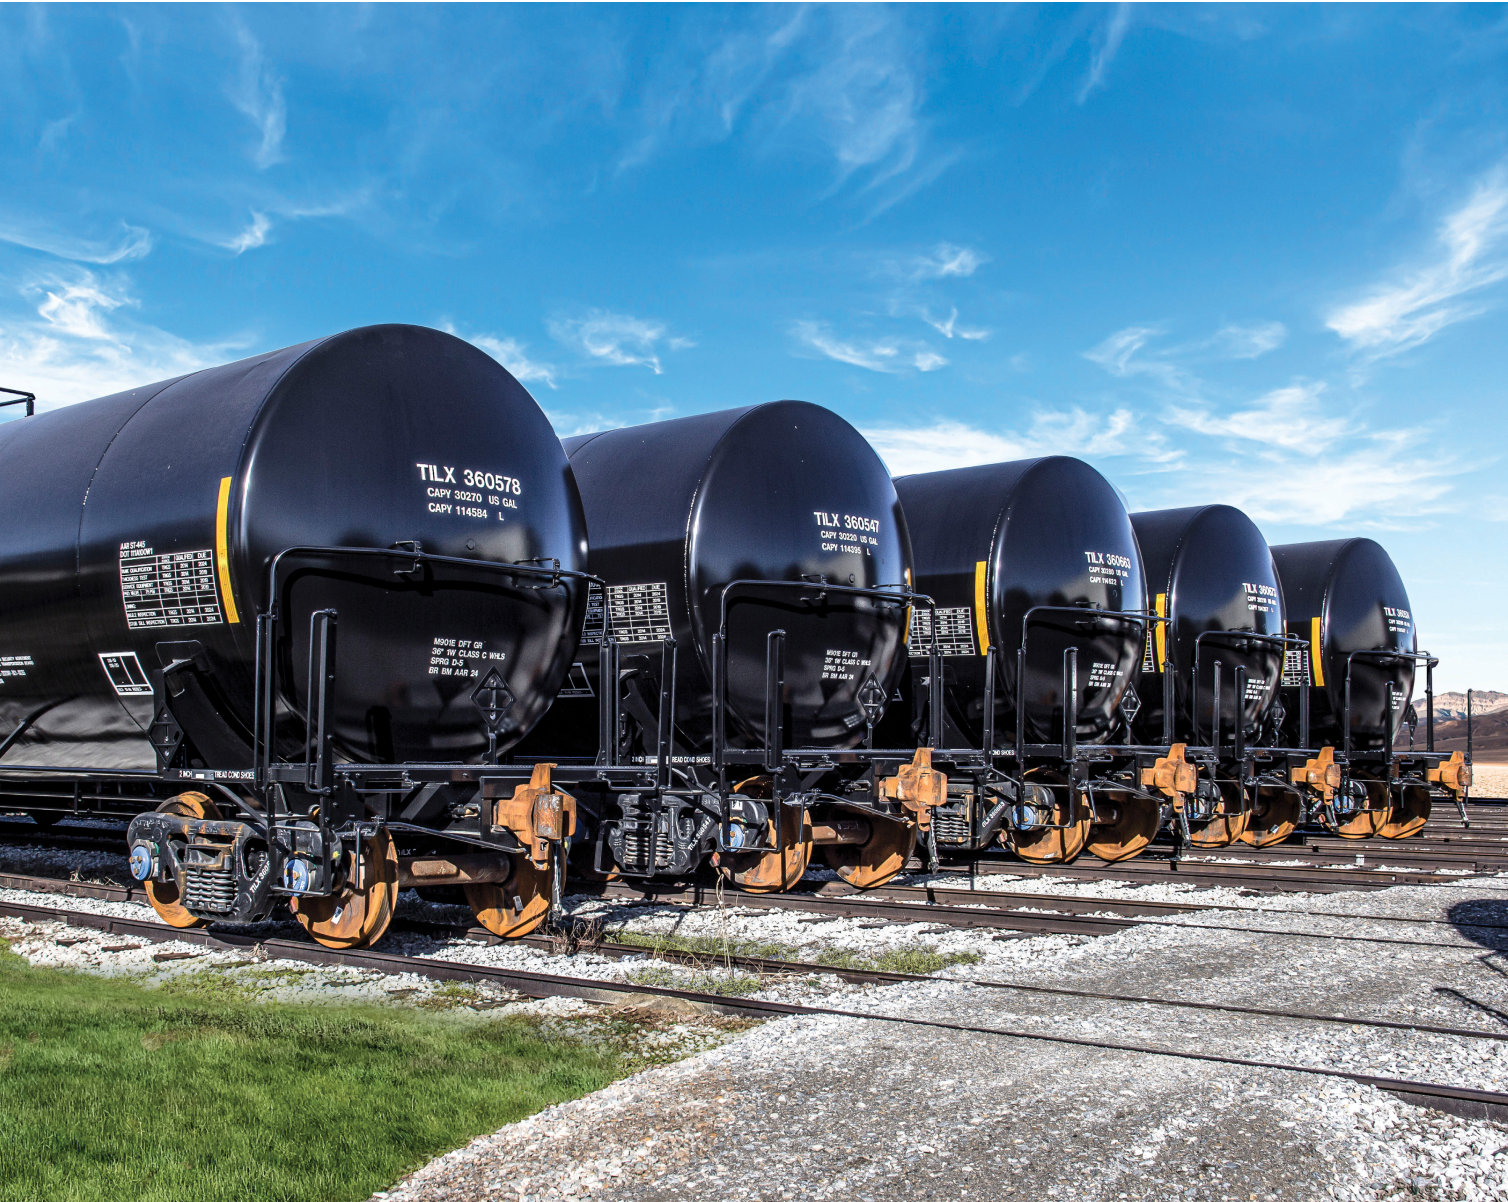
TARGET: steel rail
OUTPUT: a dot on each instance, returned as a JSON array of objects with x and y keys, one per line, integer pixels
[
  {"x": 876, "y": 976},
  {"x": 1024, "y": 925},
  {"x": 862, "y": 976},
  {"x": 1280, "y": 879},
  {"x": 1070, "y": 906},
  {"x": 980, "y": 915},
  {"x": 1126, "y": 908},
  {"x": 1388, "y": 862},
  {"x": 1474, "y": 1103}
]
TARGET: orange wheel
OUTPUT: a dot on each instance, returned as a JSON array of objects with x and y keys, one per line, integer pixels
[
  {"x": 353, "y": 918},
  {"x": 1407, "y": 815},
  {"x": 867, "y": 865},
  {"x": 1274, "y": 817},
  {"x": 1133, "y": 824},
  {"x": 164, "y": 895},
  {"x": 1055, "y": 844},
  {"x": 773, "y": 871},
  {"x": 1231, "y": 820},
  {"x": 1360, "y": 825},
  {"x": 516, "y": 908}
]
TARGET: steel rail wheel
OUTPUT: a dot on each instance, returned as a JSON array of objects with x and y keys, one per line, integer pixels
[
  {"x": 517, "y": 907},
  {"x": 866, "y": 865},
  {"x": 1274, "y": 817},
  {"x": 1056, "y": 844},
  {"x": 773, "y": 871},
  {"x": 1368, "y": 817},
  {"x": 1407, "y": 812},
  {"x": 1231, "y": 821},
  {"x": 164, "y": 895},
  {"x": 1361, "y": 825},
  {"x": 356, "y": 918},
  {"x": 1133, "y": 825}
]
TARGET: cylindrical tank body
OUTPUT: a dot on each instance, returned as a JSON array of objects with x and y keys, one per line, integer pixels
[
  {"x": 141, "y": 528},
  {"x": 1208, "y": 569},
  {"x": 993, "y": 542},
  {"x": 1342, "y": 596},
  {"x": 678, "y": 510}
]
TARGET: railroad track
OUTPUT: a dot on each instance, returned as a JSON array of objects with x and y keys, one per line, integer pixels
[
  {"x": 1005, "y": 913},
  {"x": 1471, "y": 1103},
  {"x": 1153, "y": 868},
  {"x": 1149, "y": 868},
  {"x": 1073, "y": 904},
  {"x": 976, "y": 910},
  {"x": 764, "y": 965}
]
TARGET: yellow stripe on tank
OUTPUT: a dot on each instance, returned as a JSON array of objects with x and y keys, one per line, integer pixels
[
  {"x": 981, "y": 614},
  {"x": 906, "y": 631},
  {"x": 1316, "y": 660},
  {"x": 1162, "y": 632},
  {"x": 222, "y": 550}
]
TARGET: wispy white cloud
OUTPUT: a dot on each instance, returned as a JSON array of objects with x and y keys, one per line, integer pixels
[
  {"x": 941, "y": 445},
  {"x": 1104, "y": 45},
  {"x": 1290, "y": 455},
  {"x": 943, "y": 261},
  {"x": 1117, "y": 354},
  {"x": 1248, "y": 342},
  {"x": 1473, "y": 253},
  {"x": 1121, "y": 356},
  {"x": 133, "y": 243},
  {"x": 258, "y": 93},
  {"x": 617, "y": 339},
  {"x": 885, "y": 355},
  {"x": 253, "y": 236},
  {"x": 1291, "y": 417},
  {"x": 843, "y": 83},
  {"x": 53, "y": 132},
  {"x": 79, "y": 308},
  {"x": 270, "y": 210},
  {"x": 1374, "y": 479},
  {"x": 74, "y": 341},
  {"x": 858, "y": 90},
  {"x": 1129, "y": 353},
  {"x": 514, "y": 355},
  {"x": 950, "y": 443},
  {"x": 948, "y": 327}
]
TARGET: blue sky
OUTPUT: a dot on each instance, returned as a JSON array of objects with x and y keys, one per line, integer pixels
[{"x": 1255, "y": 255}]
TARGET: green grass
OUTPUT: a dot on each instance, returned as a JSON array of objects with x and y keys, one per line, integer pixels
[
  {"x": 726, "y": 984},
  {"x": 710, "y": 946},
  {"x": 916, "y": 958},
  {"x": 111, "y": 1091}
]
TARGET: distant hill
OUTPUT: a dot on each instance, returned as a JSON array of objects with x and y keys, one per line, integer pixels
[
  {"x": 1453, "y": 705},
  {"x": 1489, "y": 741}
]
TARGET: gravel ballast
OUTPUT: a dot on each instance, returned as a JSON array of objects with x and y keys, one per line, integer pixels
[{"x": 828, "y": 1107}]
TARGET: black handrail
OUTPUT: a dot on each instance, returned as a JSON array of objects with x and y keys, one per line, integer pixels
[
  {"x": 1142, "y": 617},
  {"x": 266, "y": 676},
  {"x": 1283, "y": 640},
  {"x": 897, "y": 593},
  {"x": 29, "y": 399},
  {"x": 1382, "y": 658},
  {"x": 774, "y": 677}
]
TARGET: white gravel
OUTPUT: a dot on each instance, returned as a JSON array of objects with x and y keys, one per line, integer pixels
[{"x": 819, "y": 1107}]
